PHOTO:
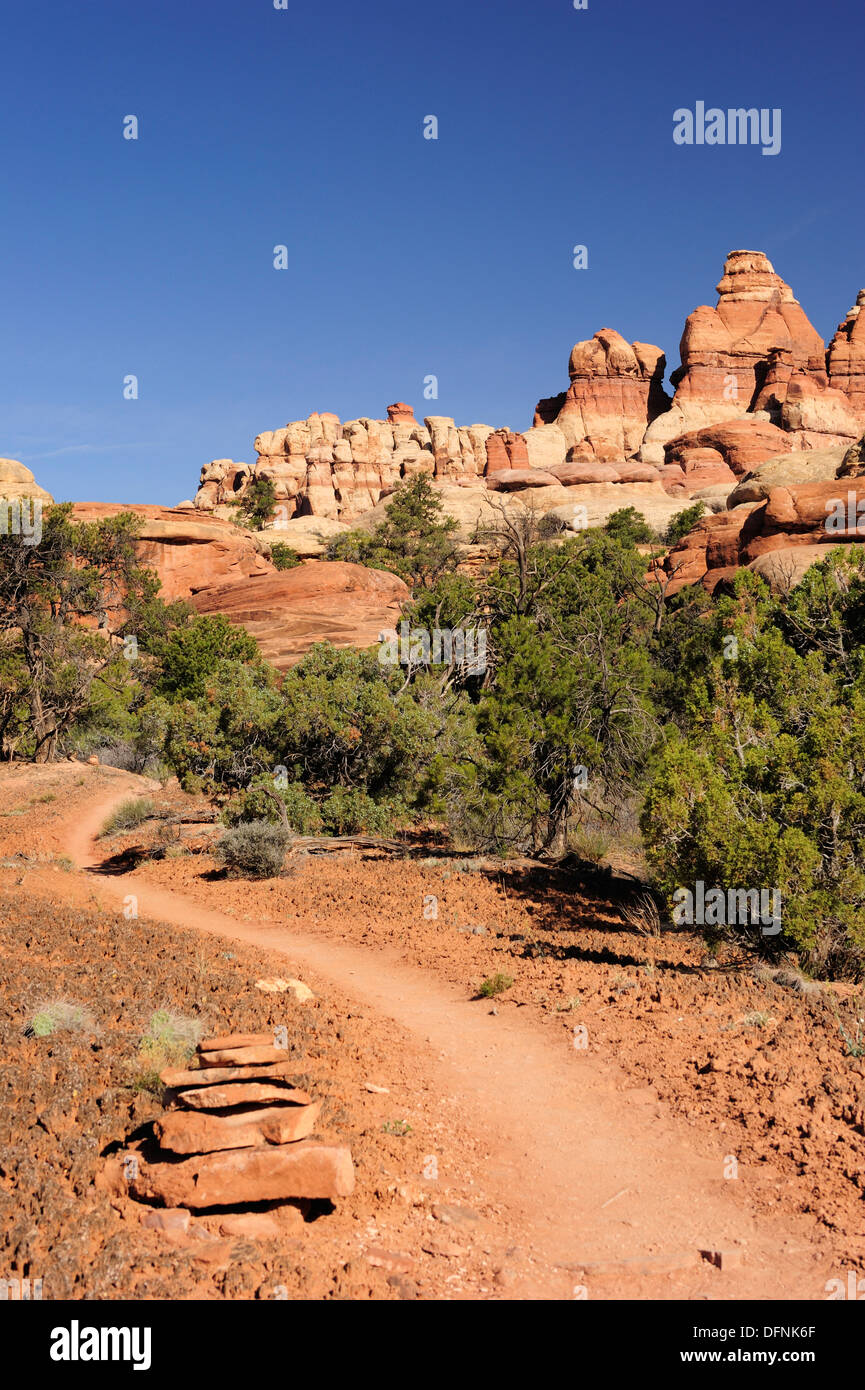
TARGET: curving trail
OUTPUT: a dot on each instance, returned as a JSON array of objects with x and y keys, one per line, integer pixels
[{"x": 586, "y": 1171}]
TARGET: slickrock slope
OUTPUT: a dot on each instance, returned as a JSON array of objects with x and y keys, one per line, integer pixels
[
  {"x": 222, "y": 568},
  {"x": 286, "y": 612}
]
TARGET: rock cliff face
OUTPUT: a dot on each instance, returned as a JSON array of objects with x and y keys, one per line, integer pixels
[
  {"x": 188, "y": 551},
  {"x": 755, "y": 356},
  {"x": 755, "y": 382},
  {"x": 846, "y": 358},
  {"x": 616, "y": 391}
]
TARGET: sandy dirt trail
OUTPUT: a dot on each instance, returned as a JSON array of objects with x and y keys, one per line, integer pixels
[{"x": 598, "y": 1178}]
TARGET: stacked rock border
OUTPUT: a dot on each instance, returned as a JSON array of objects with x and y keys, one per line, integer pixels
[{"x": 237, "y": 1131}]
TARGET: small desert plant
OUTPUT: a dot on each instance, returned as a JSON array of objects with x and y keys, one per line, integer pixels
[
  {"x": 171, "y": 1037},
  {"x": 855, "y": 1046},
  {"x": 128, "y": 815},
  {"x": 756, "y": 1019},
  {"x": 398, "y": 1127},
  {"x": 643, "y": 915},
  {"x": 573, "y": 1003},
  {"x": 495, "y": 984},
  {"x": 60, "y": 1016},
  {"x": 589, "y": 843},
  {"x": 683, "y": 522},
  {"x": 170, "y": 1040},
  {"x": 283, "y": 556},
  {"x": 253, "y": 849}
]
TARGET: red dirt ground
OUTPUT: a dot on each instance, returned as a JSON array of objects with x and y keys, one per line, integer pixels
[{"x": 603, "y": 1168}]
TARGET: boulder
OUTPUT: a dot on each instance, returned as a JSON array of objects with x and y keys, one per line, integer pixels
[
  {"x": 546, "y": 447},
  {"x": 742, "y": 445},
  {"x": 575, "y": 474},
  {"x": 514, "y": 479}
]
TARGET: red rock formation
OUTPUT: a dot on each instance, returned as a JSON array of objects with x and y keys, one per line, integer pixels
[
  {"x": 756, "y": 312},
  {"x": 846, "y": 358},
  {"x": 616, "y": 390},
  {"x": 814, "y": 515},
  {"x": 319, "y": 601},
  {"x": 506, "y": 450},
  {"x": 749, "y": 353},
  {"x": 753, "y": 384},
  {"x": 721, "y": 454},
  {"x": 188, "y": 551}
]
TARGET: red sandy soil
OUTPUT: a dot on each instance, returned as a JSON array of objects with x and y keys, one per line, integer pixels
[{"x": 597, "y": 1171}]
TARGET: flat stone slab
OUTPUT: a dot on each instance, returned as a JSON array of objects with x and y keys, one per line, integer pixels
[
  {"x": 240, "y": 1093},
  {"x": 182, "y": 1132},
  {"x": 237, "y": 1176},
  {"x": 176, "y": 1077},
  {"x": 223, "y": 1040},
  {"x": 242, "y": 1056}
]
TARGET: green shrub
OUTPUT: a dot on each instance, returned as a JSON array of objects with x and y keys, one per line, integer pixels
[
  {"x": 128, "y": 815},
  {"x": 284, "y": 557},
  {"x": 262, "y": 800},
  {"x": 683, "y": 522},
  {"x": 350, "y": 812},
  {"x": 258, "y": 502},
  {"x": 190, "y": 657},
  {"x": 415, "y": 540},
  {"x": 253, "y": 849},
  {"x": 629, "y": 527}
]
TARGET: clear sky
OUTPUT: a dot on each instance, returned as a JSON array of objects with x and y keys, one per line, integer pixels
[{"x": 407, "y": 257}]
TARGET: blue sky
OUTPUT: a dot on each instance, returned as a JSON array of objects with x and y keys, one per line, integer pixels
[{"x": 407, "y": 257}]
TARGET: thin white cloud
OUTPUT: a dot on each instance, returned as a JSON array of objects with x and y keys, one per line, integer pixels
[{"x": 84, "y": 449}]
